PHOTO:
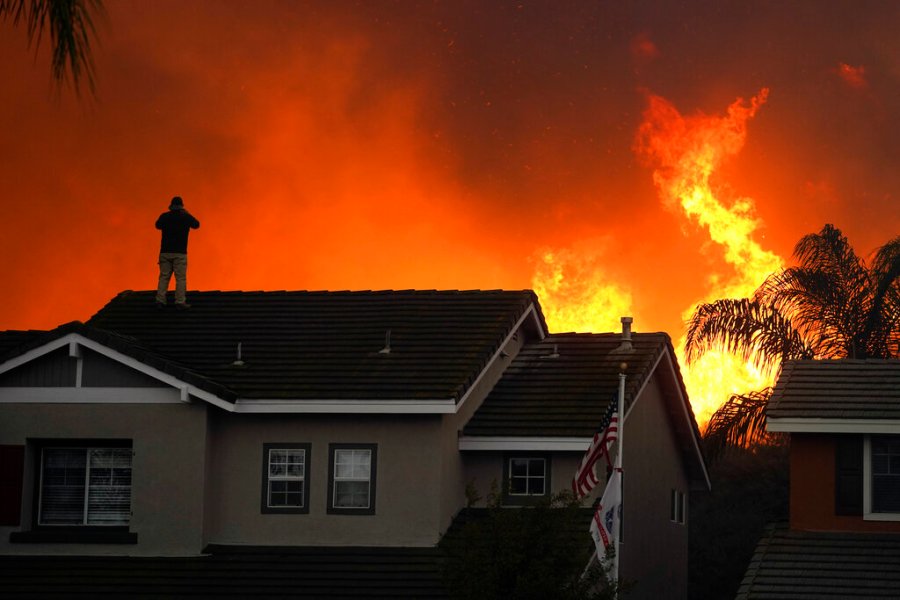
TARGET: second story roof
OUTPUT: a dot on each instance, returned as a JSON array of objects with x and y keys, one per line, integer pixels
[
  {"x": 861, "y": 396},
  {"x": 555, "y": 392},
  {"x": 404, "y": 346},
  {"x": 562, "y": 385}
]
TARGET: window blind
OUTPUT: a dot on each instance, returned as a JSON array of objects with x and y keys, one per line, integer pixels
[{"x": 85, "y": 486}]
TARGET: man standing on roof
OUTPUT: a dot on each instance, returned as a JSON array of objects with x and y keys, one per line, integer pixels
[{"x": 175, "y": 225}]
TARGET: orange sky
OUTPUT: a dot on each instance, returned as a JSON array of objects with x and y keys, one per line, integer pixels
[{"x": 458, "y": 144}]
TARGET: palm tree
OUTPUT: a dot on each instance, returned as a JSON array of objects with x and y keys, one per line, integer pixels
[
  {"x": 831, "y": 305},
  {"x": 70, "y": 26}
]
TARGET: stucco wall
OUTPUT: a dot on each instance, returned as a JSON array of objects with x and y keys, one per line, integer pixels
[
  {"x": 168, "y": 441},
  {"x": 454, "y": 473},
  {"x": 407, "y": 480},
  {"x": 812, "y": 488},
  {"x": 654, "y": 551},
  {"x": 485, "y": 468}
]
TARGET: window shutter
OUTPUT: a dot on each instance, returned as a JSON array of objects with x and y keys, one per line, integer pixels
[
  {"x": 12, "y": 470},
  {"x": 848, "y": 476}
]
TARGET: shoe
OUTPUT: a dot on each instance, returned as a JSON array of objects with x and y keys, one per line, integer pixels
[{"x": 182, "y": 305}]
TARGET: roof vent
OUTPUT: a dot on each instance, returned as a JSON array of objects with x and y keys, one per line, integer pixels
[
  {"x": 237, "y": 361},
  {"x": 387, "y": 343},
  {"x": 625, "y": 346}
]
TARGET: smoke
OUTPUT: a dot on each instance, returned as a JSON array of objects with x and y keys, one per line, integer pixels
[{"x": 336, "y": 145}]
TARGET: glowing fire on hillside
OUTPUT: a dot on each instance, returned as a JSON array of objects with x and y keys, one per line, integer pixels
[{"x": 684, "y": 152}]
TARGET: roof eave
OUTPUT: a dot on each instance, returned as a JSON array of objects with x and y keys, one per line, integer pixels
[
  {"x": 345, "y": 406},
  {"x": 829, "y": 425}
]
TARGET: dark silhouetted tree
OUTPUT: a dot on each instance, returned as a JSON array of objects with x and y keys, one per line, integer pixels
[
  {"x": 526, "y": 553},
  {"x": 831, "y": 305}
]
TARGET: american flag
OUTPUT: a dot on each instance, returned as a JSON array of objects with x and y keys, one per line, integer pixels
[{"x": 586, "y": 477}]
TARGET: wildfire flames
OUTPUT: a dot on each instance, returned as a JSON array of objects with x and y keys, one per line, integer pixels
[
  {"x": 575, "y": 293},
  {"x": 685, "y": 152}
]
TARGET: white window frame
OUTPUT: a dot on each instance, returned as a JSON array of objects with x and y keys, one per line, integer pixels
[
  {"x": 528, "y": 476},
  {"x": 868, "y": 514},
  {"x": 87, "y": 485},
  {"x": 266, "y": 506},
  {"x": 334, "y": 480}
]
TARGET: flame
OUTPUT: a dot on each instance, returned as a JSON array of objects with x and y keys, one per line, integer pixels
[
  {"x": 575, "y": 292},
  {"x": 686, "y": 152}
]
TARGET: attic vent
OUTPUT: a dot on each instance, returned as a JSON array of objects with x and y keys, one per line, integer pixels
[
  {"x": 387, "y": 343},
  {"x": 554, "y": 354},
  {"x": 237, "y": 361}
]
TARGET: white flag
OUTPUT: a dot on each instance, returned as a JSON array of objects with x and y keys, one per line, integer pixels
[{"x": 605, "y": 524}]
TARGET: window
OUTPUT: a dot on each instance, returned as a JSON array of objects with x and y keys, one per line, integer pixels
[
  {"x": 85, "y": 486},
  {"x": 285, "y": 484},
  {"x": 875, "y": 488},
  {"x": 677, "y": 507},
  {"x": 351, "y": 478},
  {"x": 885, "y": 474},
  {"x": 525, "y": 478}
]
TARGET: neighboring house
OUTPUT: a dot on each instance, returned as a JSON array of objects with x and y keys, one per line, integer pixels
[
  {"x": 843, "y": 538},
  {"x": 288, "y": 443}
]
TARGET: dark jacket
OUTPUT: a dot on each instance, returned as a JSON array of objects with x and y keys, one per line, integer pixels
[{"x": 175, "y": 226}]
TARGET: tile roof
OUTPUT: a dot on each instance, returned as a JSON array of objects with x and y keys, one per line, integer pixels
[
  {"x": 795, "y": 565},
  {"x": 12, "y": 339},
  {"x": 837, "y": 389},
  {"x": 231, "y": 572},
  {"x": 562, "y": 385},
  {"x": 325, "y": 345}
]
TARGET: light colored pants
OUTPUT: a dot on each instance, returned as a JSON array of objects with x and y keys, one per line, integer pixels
[{"x": 172, "y": 262}]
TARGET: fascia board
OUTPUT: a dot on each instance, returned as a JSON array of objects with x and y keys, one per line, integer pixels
[
  {"x": 689, "y": 421},
  {"x": 819, "y": 425},
  {"x": 529, "y": 312},
  {"x": 682, "y": 401},
  {"x": 515, "y": 443},
  {"x": 35, "y": 353},
  {"x": 301, "y": 406},
  {"x": 82, "y": 395}
]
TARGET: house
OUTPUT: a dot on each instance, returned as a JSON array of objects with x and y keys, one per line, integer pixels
[
  {"x": 296, "y": 442},
  {"x": 843, "y": 537}
]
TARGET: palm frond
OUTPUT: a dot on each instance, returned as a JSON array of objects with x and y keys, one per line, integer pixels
[
  {"x": 883, "y": 324},
  {"x": 828, "y": 310},
  {"x": 740, "y": 422},
  {"x": 831, "y": 305},
  {"x": 830, "y": 251},
  {"x": 755, "y": 331},
  {"x": 70, "y": 25}
]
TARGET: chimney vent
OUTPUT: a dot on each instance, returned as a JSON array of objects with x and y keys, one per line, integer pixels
[
  {"x": 625, "y": 346},
  {"x": 237, "y": 361},
  {"x": 387, "y": 343}
]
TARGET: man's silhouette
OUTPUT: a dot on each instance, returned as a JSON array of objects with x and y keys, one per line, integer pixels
[{"x": 175, "y": 225}]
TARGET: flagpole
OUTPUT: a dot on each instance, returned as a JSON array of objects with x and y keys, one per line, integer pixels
[{"x": 618, "y": 467}]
